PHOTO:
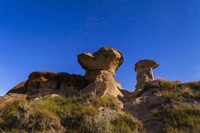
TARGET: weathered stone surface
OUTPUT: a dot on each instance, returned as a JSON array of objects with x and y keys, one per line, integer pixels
[
  {"x": 140, "y": 106},
  {"x": 100, "y": 69},
  {"x": 20, "y": 88},
  {"x": 99, "y": 77},
  {"x": 44, "y": 83},
  {"x": 106, "y": 58},
  {"x": 144, "y": 69}
]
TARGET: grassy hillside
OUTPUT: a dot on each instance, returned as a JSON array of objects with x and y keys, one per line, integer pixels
[
  {"x": 179, "y": 110},
  {"x": 84, "y": 114},
  {"x": 175, "y": 108}
]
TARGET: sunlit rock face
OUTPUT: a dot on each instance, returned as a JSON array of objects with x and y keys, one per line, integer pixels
[
  {"x": 100, "y": 70},
  {"x": 106, "y": 58},
  {"x": 144, "y": 69}
]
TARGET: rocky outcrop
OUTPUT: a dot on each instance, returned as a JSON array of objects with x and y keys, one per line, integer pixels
[
  {"x": 106, "y": 58},
  {"x": 141, "y": 106},
  {"x": 100, "y": 70},
  {"x": 44, "y": 83},
  {"x": 144, "y": 69}
]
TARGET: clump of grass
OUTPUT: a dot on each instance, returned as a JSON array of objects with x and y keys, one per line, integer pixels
[
  {"x": 194, "y": 89},
  {"x": 172, "y": 89},
  {"x": 194, "y": 85},
  {"x": 62, "y": 106},
  {"x": 127, "y": 124},
  {"x": 175, "y": 90},
  {"x": 9, "y": 115},
  {"x": 107, "y": 101},
  {"x": 169, "y": 85},
  {"x": 11, "y": 110},
  {"x": 123, "y": 123}
]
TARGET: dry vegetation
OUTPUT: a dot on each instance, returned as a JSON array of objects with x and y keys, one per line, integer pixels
[
  {"x": 71, "y": 115},
  {"x": 179, "y": 111}
]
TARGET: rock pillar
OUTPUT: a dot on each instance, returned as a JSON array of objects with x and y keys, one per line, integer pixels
[
  {"x": 144, "y": 69},
  {"x": 100, "y": 70}
]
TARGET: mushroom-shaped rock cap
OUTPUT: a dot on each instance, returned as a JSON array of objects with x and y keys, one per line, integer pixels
[
  {"x": 146, "y": 64},
  {"x": 106, "y": 58}
]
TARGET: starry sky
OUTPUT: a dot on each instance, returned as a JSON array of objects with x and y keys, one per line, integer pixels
[{"x": 47, "y": 35}]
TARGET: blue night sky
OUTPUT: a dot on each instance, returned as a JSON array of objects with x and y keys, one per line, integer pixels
[{"x": 47, "y": 35}]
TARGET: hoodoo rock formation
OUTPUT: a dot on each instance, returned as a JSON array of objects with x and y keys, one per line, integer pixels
[
  {"x": 100, "y": 70},
  {"x": 99, "y": 77},
  {"x": 144, "y": 69}
]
